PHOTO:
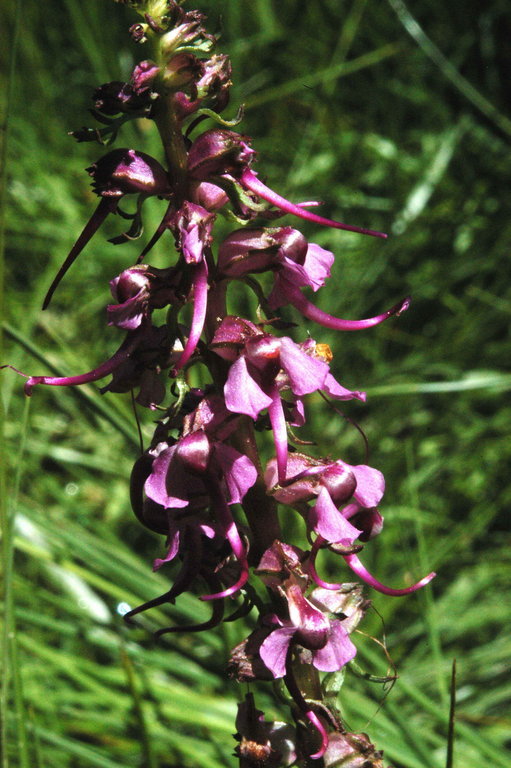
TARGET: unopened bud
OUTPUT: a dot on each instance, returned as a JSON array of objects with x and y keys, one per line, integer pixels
[{"x": 125, "y": 171}]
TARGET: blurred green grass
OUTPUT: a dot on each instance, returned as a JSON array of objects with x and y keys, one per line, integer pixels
[{"x": 347, "y": 106}]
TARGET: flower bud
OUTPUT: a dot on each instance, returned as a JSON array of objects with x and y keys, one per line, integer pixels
[
  {"x": 143, "y": 75},
  {"x": 138, "y": 32},
  {"x": 215, "y": 81},
  {"x": 194, "y": 451},
  {"x": 189, "y": 29},
  {"x": 262, "y": 743},
  {"x": 218, "y": 152},
  {"x": 182, "y": 70},
  {"x": 231, "y": 335},
  {"x": 209, "y": 196},
  {"x": 192, "y": 227},
  {"x": 131, "y": 290},
  {"x": 116, "y": 97},
  {"x": 125, "y": 171},
  {"x": 130, "y": 283},
  {"x": 351, "y": 750}
]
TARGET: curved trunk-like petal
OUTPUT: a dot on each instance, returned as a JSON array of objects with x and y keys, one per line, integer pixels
[
  {"x": 200, "y": 304},
  {"x": 316, "y": 722},
  {"x": 250, "y": 181},
  {"x": 311, "y": 564},
  {"x": 192, "y": 559},
  {"x": 217, "y": 613},
  {"x": 239, "y": 584},
  {"x": 278, "y": 425},
  {"x": 357, "y": 567},
  {"x": 109, "y": 366},
  {"x": 106, "y": 206},
  {"x": 309, "y": 310},
  {"x": 162, "y": 226},
  {"x": 233, "y": 537}
]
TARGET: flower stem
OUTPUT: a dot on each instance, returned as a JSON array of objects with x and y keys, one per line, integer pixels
[{"x": 173, "y": 145}]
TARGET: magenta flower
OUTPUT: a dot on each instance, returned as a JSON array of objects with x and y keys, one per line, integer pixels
[
  {"x": 210, "y": 88},
  {"x": 267, "y": 365},
  {"x": 282, "y": 250},
  {"x": 182, "y": 472},
  {"x": 139, "y": 290},
  {"x": 192, "y": 227},
  {"x": 296, "y": 264},
  {"x": 329, "y": 484},
  {"x": 309, "y": 627},
  {"x": 119, "y": 173},
  {"x": 137, "y": 363},
  {"x": 220, "y": 153},
  {"x": 200, "y": 470}
]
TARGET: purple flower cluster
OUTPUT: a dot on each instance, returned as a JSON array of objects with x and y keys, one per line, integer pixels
[{"x": 200, "y": 482}]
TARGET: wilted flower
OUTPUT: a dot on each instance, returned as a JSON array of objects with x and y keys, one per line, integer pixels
[{"x": 262, "y": 744}]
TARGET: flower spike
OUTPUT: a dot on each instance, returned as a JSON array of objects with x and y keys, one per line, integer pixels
[
  {"x": 201, "y": 480},
  {"x": 250, "y": 181}
]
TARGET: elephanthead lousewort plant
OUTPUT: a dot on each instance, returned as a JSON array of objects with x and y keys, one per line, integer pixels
[{"x": 200, "y": 482}]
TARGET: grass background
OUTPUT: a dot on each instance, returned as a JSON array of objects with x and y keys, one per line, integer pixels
[{"x": 397, "y": 117}]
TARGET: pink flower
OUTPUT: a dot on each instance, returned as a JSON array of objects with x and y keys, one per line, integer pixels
[
  {"x": 265, "y": 366},
  {"x": 309, "y": 627},
  {"x": 118, "y": 173}
]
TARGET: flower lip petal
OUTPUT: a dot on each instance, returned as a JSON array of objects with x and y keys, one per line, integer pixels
[
  {"x": 326, "y": 520},
  {"x": 306, "y": 374},
  {"x": 242, "y": 393},
  {"x": 274, "y": 650},
  {"x": 337, "y": 652}
]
